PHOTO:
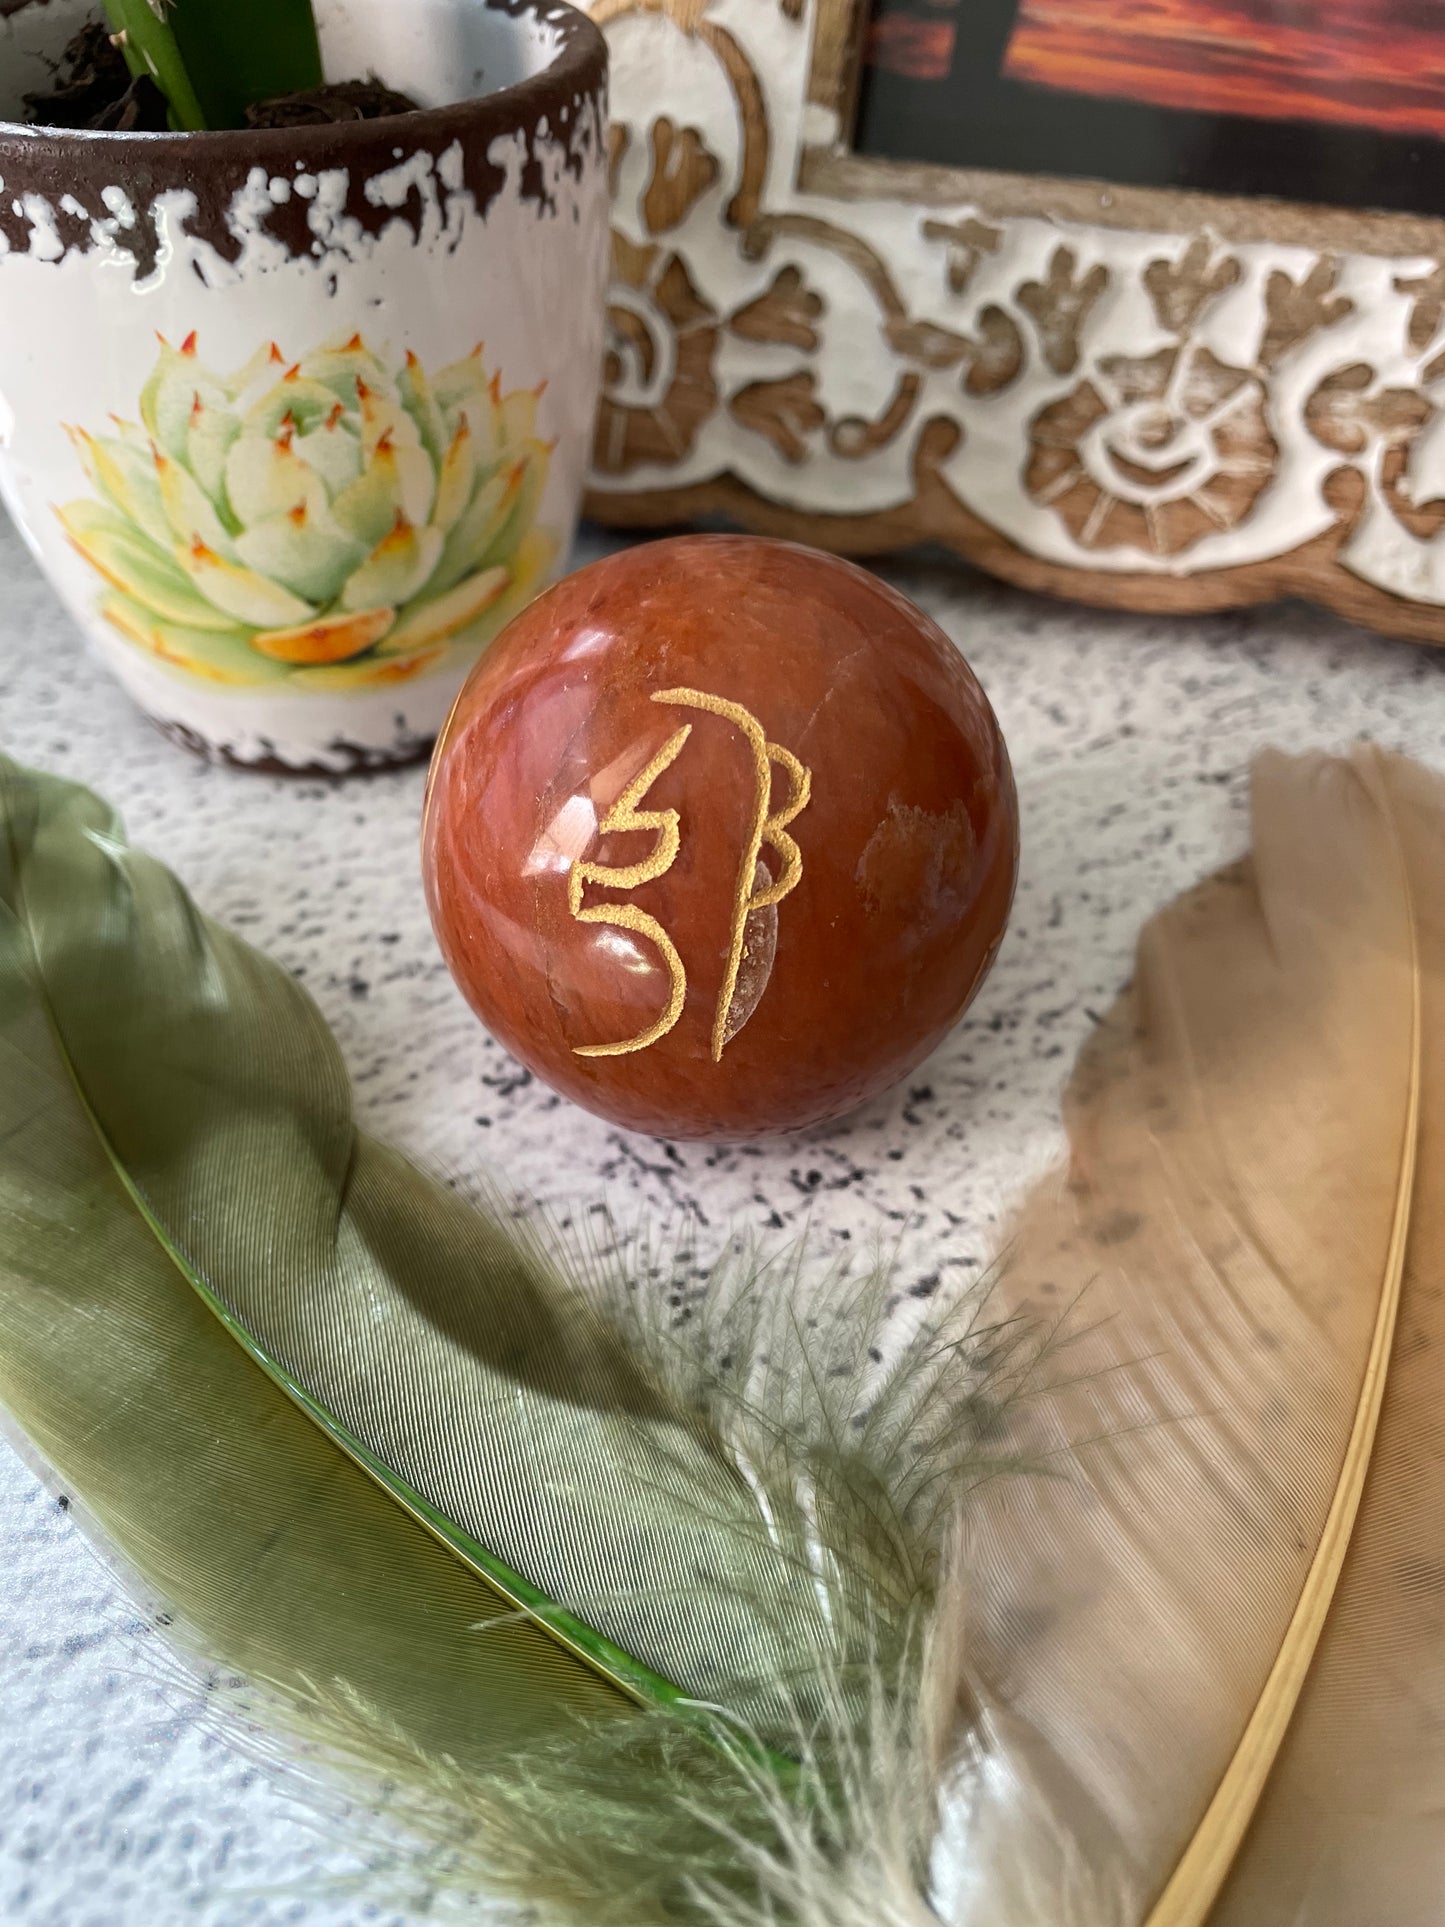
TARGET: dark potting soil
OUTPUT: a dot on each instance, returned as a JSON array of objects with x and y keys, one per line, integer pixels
[
  {"x": 347, "y": 100},
  {"x": 95, "y": 90}
]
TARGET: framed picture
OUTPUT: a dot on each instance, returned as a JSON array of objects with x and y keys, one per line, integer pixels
[{"x": 1137, "y": 301}]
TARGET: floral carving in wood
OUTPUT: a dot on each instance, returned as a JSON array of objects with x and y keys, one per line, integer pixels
[{"x": 1181, "y": 414}]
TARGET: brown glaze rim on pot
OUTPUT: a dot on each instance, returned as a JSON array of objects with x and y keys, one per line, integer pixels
[{"x": 62, "y": 165}]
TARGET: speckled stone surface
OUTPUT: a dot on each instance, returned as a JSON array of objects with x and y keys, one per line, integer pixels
[{"x": 1131, "y": 738}]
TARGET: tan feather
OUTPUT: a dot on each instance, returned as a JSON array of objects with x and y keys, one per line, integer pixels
[
  {"x": 1243, "y": 1130},
  {"x": 1351, "y": 1828}
]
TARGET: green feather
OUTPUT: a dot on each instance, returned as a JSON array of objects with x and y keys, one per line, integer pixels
[
  {"x": 232, "y": 1505},
  {"x": 460, "y": 1517}
]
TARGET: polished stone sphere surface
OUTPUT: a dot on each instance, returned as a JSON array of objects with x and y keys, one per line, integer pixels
[{"x": 721, "y": 837}]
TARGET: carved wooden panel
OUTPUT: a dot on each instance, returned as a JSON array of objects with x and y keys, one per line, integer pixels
[{"x": 1138, "y": 398}]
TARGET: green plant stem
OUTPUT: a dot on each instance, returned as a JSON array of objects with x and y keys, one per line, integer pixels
[
  {"x": 150, "y": 47},
  {"x": 212, "y": 59}
]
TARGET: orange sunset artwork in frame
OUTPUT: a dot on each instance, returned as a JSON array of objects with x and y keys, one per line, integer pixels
[
  {"x": 1337, "y": 102},
  {"x": 1367, "y": 63}
]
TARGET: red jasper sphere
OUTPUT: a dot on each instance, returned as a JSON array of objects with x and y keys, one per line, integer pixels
[{"x": 721, "y": 837}]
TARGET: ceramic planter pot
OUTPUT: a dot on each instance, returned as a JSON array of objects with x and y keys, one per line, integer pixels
[{"x": 294, "y": 420}]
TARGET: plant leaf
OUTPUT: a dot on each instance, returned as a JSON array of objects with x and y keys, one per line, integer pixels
[
  {"x": 149, "y": 44},
  {"x": 212, "y": 59},
  {"x": 130, "y": 562}
]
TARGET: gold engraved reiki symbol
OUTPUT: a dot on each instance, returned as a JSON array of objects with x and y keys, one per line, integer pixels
[
  {"x": 771, "y": 829},
  {"x": 625, "y": 815},
  {"x": 750, "y": 894}
]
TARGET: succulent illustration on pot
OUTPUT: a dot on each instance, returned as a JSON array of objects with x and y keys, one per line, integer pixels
[{"x": 323, "y": 522}]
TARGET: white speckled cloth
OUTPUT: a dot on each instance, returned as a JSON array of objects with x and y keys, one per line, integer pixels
[{"x": 1131, "y": 739}]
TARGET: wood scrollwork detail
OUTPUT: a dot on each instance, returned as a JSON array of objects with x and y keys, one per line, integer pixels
[{"x": 1156, "y": 418}]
